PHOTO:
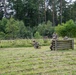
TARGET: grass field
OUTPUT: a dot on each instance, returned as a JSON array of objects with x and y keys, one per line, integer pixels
[{"x": 30, "y": 61}]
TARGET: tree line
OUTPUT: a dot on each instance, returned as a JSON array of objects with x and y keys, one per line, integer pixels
[
  {"x": 14, "y": 29},
  {"x": 32, "y": 12},
  {"x": 36, "y": 18}
]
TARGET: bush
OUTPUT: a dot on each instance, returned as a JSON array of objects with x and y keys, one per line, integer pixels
[
  {"x": 12, "y": 29},
  {"x": 69, "y": 29},
  {"x": 37, "y": 35},
  {"x": 46, "y": 29},
  {"x": 2, "y": 35}
]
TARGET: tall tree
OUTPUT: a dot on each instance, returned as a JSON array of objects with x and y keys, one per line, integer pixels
[
  {"x": 53, "y": 6},
  {"x": 61, "y": 11}
]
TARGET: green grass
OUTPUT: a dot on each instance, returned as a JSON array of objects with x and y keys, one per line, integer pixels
[
  {"x": 23, "y": 43},
  {"x": 30, "y": 61}
]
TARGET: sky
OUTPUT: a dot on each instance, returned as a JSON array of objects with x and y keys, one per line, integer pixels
[
  {"x": 70, "y": 0},
  {"x": 73, "y": 0}
]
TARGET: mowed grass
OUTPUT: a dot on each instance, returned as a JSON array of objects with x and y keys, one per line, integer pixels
[{"x": 30, "y": 61}]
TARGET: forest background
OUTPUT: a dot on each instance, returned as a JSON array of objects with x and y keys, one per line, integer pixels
[{"x": 38, "y": 19}]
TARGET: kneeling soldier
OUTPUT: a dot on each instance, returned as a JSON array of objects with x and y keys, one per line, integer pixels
[{"x": 36, "y": 45}]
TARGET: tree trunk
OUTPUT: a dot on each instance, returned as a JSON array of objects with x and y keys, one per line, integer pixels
[
  {"x": 44, "y": 11},
  {"x": 60, "y": 11},
  {"x": 53, "y": 13}
]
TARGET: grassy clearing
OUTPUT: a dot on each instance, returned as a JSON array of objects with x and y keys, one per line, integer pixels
[
  {"x": 30, "y": 61},
  {"x": 25, "y": 42}
]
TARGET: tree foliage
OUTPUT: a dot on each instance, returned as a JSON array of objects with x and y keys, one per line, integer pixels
[
  {"x": 46, "y": 29},
  {"x": 39, "y": 17},
  {"x": 37, "y": 35},
  {"x": 12, "y": 28},
  {"x": 35, "y": 12},
  {"x": 67, "y": 29}
]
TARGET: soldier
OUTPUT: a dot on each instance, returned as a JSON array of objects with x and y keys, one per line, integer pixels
[
  {"x": 65, "y": 38},
  {"x": 54, "y": 37},
  {"x": 36, "y": 44},
  {"x": 51, "y": 47}
]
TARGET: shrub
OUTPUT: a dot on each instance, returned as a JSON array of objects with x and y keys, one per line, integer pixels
[
  {"x": 68, "y": 28},
  {"x": 46, "y": 29},
  {"x": 37, "y": 35},
  {"x": 2, "y": 35}
]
